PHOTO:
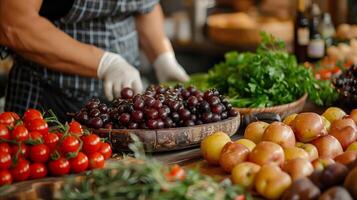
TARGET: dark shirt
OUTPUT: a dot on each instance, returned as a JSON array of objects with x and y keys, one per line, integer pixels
[{"x": 55, "y": 9}]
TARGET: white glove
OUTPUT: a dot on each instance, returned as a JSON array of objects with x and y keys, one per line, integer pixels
[
  {"x": 117, "y": 74},
  {"x": 168, "y": 69}
]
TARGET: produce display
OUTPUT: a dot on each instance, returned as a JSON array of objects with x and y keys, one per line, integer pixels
[
  {"x": 346, "y": 83},
  {"x": 266, "y": 78},
  {"x": 29, "y": 149},
  {"x": 303, "y": 157},
  {"x": 158, "y": 107},
  {"x": 344, "y": 52}
]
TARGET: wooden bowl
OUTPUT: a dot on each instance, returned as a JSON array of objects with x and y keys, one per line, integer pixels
[
  {"x": 282, "y": 110},
  {"x": 171, "y": 138}
]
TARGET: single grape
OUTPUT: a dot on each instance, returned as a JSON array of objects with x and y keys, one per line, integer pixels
[
  {"x": 188, "y": 123},
  {"x": 184, "y": 114},
  {"x": 160, "y": 124},
  {"x": 174, "y": 105},
  {"x": 133, "y": 125},
  {"x": 124, "y": 118},
  {"x": 207, "y": 94},
  {"x": 216, "y": 117},
  {"x": 137, "y": 116},
  {"x": 157, "y": 104},
  {"x": 82, "y": 117},
  {"x": 95, "y": 122},
  {"x": 204, "y": 107},
  {"x": 168, "y": 122},
  {"x": 103, "y": 108},
  {"x": 91, "y": 105},
  {"x": 175, "y": 117},
  {"x": 151, "y": 113},
  {"x": 185, "y": 94},
  {"x": 193, "y": 118},
  {"x": 105, "y": 117},
  {"x": 127, "y": 93},
  {"x": 192, "y": 101},
  {"x": 151, "y": 124},
  {"x": 207, "y": 117},
  {"x": 94, "y": 113},
  {"x": 218, "y": 108},
  {"x": 139, "y": 103},
  {"x": 191, "y": 89},
  {"x": 149, "y": 101},
  {"x": 232, "y": 113},
  {"x": 213, "y": 100},
  {"x": 224, "y": 115},
  {"x": 163, "y": 113}
]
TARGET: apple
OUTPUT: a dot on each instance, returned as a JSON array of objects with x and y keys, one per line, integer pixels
[
  {"x": 255, "y": 130},
  {"x": 212, "y": 146},
  {"x": 347, "y": 157},
  {"x": 321, "y": 163},
  {"x": 339, "y": 124},
  {"x": 353, "y": 115},
  {"x": 267, "y": 153},
  {"x": 244, "y": 173},
  {"x": 292, "y": 153},
  {"x": 271, "y": 181},
  {"x": 352, "y": 147},
  {"x": 298, "y": 168},
  {"x": 308, "y": 126},
  {"x": 310, "y": 149},
  {"x": 326, "y": 122},
  {"x": 345, "y": 136},
  {"x": 289, "y": 119},
  {"x": 328, "y": 146},
  {"x": 233, "y": 154},
  {"x": 333, "y": 113},
  {"x": 279, "y": 133},
  {"x": 247, "y": 143}
]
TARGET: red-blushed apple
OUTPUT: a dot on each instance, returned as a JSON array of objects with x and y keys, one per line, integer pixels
[
  {"x": 267, "y": 153},
  {"x": 279, "y": 133},
  {"x": 244, "y": 173},
  {"x": 310, "y": 149},
  {"x": 248, "y": 143},
  {"x": 298, "y": 168},
  {"x": 347, "y": 157},
  {"x": 255, "y": 130},
  {"x": 353, "y": 115},
  {"x": 287, "y": 120},
  {"x": 308, "y": 126},
  {"x": 352, "y": 147},
  {"x": 292, "y": 153},
  {"x": 345, "y": 136},
  {"x": 212, "y": 146},
  {"x": 271, "y": 181},
  {"x": 339, "y": 124},
  {"x": 232, "y": 154},
  {"x": 328, "y": 146},
  {"x": 333, "y": 113},
  {"x": 321, "y": 163}
]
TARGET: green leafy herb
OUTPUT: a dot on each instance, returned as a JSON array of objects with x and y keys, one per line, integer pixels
[{"x": 145, "y": 180}]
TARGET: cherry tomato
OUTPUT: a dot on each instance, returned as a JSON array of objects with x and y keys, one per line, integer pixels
[
  {"x": 5, "y": 177},
  {"x": 21, "y": 170},
  {"x": 35, "y": 135},
  {"x": 176, "y": 173},
  {"x": 20, "y": 133},
  {"x": 75, "y": 127},
  {"x": 59, "y": 167},
  {"x": 38, "y": 170},
  {"x": 106, "y": 150},
  {"x": 51, "y": 140},
  {"x": 5, "y": 147},
  {"x": 91, "y": 143},
  {"x": 5, "y": 160},
  {"x": 32, "y": 114},
  {"x": 39, "y": 125},
  {"x": 7, "y": 119},
  {"x": 24, "y": 153},
  {"x": 336, "y": 70},
  {"x": 325, "y": 74},
  {"x": 15, "y": 116},
  {"x": 96, "y": 160},
  {"x": 69, "y": 144},
  {"x": 39, "y": 153},
  {"x": 79, "y": 163},
  {"x": 4, "y": 132},
  {"x": 240, "y": 197}
]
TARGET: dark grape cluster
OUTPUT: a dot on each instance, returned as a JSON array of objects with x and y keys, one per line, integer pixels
[
  {"x": 158, "y": 107},
  {"x": 347, "y": 82}
]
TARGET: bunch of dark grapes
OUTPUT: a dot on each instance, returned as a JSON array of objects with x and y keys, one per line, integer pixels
[
  {"x": 158, "y": 107},
  {"x": 347, "y": 82}
]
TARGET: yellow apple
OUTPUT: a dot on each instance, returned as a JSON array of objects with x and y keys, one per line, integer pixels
[
  {"x": 333, "y": 113},
  {"x": 298, "y": 168},
  {"x": 255, "y": 130},
  {"x": 289, "y": 119},
  {"x": 279, "y": 133},
  {"x": 310, "y": 149},
  {"x": 352, "y": 147},
  {"x": 292, "y": 153},
  {"x": 248, "y": 143},
  {"x": 244, "y": 173},
  {"x": 212, "y": 146}
]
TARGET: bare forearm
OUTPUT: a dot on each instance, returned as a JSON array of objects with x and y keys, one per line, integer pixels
[
  {"x": 152, "y": 37},
  {"x": 39, "y": 40}
]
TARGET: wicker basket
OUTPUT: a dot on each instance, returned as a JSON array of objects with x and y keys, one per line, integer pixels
[{"x": 282, "y": 110}]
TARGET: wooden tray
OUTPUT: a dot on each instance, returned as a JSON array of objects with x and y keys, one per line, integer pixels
[
  {"x": 282, "y": 110},
  {"x": 168, "y": 139}
]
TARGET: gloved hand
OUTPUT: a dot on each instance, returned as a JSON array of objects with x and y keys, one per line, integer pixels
[
  {"x": 117, "y": 74},
  {"x": 168, "y": 69}
]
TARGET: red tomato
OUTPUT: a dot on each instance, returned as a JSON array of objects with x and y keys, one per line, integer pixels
[
  {"x": 21, "y": 171},
  {"x": 176, "y": 173},
  {"x": 69, "y": 144},
  {"x": 32, "y": 114},
  {"x": 75, "y": 127},
  {"x": 5, "y": 177},
  {"x": 4, "y": 132},
  {"x": 39, "y": 153},
  {"x": 5, "y": 160},
  {"x": 240, "y": 197},
  {"x": 20, "y": 133},
  {"x": 15, "y": 116},
  {"x": 96, "y": 160},
  {"x": 5, "y": 147},
  {"x": 106, "y": 150},
  {"x": 7, "y": 119},
  {"x": 91, "y": 143},
  {"x": 35, "y": 135},
  {"x": 325, "y": 74},
  {"x": 38, "y": 170},
  {"x": 59, "y": 167},
  {"x": 24, "y": 153},
  {"x": 39, "y": 125},
  {"x": 336, "y": 70},
  {"x": 51, "y": 140},
  {"x": 79, "y": 163}
]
